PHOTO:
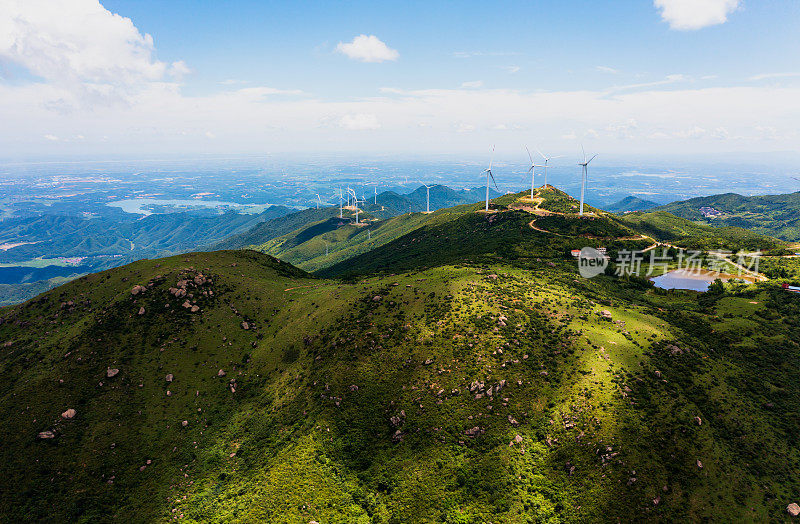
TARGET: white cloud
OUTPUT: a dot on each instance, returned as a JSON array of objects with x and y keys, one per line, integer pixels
[
  {"x": 606, "y": 69},
  {"x": 82, "y": 46},
  {"x": 179, "y": 69},
  {"x": 688, "y": 15},
  {"x": 156, "y": 116},
  {"x": 359, "y": 122},
  {"x": 472, "y": 84},
  {"x": 512, "y": 69},
  {"x": 367, "y": 49},
  {"x": 768, "y": 76},
  {"x": 670, "y": 79}
]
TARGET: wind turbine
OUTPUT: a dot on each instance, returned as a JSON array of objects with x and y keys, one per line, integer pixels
[
  {"x": 428, "y": 193},
  {"x": 341, "y": 199},
  {"x": 489, "y": 174},
  {"x": 532, "y": 170},
  {"x": 319, "y": 201},
  {"x": 355, "y": 202},
  {"x": 585, "y": 175},
  {"x": 546, "y": 160}
]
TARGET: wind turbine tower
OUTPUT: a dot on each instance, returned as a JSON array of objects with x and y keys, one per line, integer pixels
[
  {"x": 585, "y": 175},
  {"x": 532, "y": 171},
  {"x": 488, "y": 175},
  {"x": 428, "y": 199}
]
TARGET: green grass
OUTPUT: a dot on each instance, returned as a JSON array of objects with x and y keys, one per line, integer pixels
[{"x": 296, "y": 442}]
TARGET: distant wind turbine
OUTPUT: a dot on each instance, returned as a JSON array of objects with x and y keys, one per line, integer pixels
[
  {"x": 585, "y": 175},
  {"x": 319, "y": 201},
  {"x": 341, "y": 199},
  {"x": 546, "y": 160},
  {"x": 488, "y": 175},
  {"x": 428, "y": 193},
  {"x": 532, "y": 170}
]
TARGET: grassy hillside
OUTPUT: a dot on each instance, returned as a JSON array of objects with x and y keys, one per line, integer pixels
[
  {"x": 682, "y": 232},
  {"x": 774, "y": 215},
  {"x": 460, "y": 393}
]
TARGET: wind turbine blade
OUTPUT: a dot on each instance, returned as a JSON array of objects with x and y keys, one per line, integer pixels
[
  {"x": 491, "y": 160},
  {"x": 529, "y": 154},
  {"x": 590, "y": 159},
  {"x": 542, "y": 155},
  {"x": 531, "y": 168},
  {"x": 584, "y": 153},
  {"x": 493, "y": 180}
]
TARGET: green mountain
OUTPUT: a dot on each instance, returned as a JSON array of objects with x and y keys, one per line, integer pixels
[
  {"x": 682, "y": 232},
  {"x": 631, "y": 203},
  {"x": 463, "y": 373},
  {"x": 774, "y": 215}
]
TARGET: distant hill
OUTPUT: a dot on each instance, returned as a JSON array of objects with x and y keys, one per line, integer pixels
[
  {"x": 631, "y": 203},
  {"x": 774, "y": 215},
  {"x": 390, "y": 204},
  {"x": 95, "y": 244}
]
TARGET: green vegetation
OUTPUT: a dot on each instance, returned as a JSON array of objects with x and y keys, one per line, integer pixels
[
  {"x": 462, "y": 373},
  {"x": 631, "y": 203},
  {"x": 681, "y": 232},
  {"x": 774, "y": 215}
]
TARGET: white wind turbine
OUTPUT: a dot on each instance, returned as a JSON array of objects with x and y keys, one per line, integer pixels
[
  {"x": 428, "y": 193},
  {"x": 319, "y": 201},
  {"x": 585, "y": 175},
  {"x": 341, "y": 199},
  {"x": 532, "y": 170},
  {"x": 355, "y": 202},
  {"x": 546, "y": 160},
  {"x": 488, "y": 175}
]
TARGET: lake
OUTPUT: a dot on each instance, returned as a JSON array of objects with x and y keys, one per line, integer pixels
[
  {"x": 695, "y": 280},
  {"x": 135, "y": 205}
]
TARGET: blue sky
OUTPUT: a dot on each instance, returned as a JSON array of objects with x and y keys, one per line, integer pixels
[{"x": 193, "y": 77}]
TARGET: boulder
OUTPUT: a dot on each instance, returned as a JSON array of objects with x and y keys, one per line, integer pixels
[
  {"x": 112, "y": 372},
  {"x": 185, "y": 423},
  {"x": 245, "y": 325},
  {"x": 221, "y": 373},
  {"x": 195, "y": 309},
  {"x": 793, "y": 509},
  {"x": 68, "y": 414},
  {"x": 473, "y": 432},
  {"x": 46, "y": 435},
  {"x": 169, "y": 377},
  {"x": 141, "y": 310},
  {"x": 377, "y": 298},
  {"x": 138, "y": 289}
]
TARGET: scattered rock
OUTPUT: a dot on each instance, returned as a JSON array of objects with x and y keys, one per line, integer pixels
[
  {"x": 698, "y": 420},
  {"x": 141, "y": 310},
  {"x": 46, "y": 435},
  {"x": 68, "y": 414},
  {"x": 473, "y": 432},
  {"x": 185, "y": 423},
  {"x": 793, "y": 509},
  {"x": 221, "y": 373},
  {"x": 699, "y": 464},
  {"x": 377, "y": 298},
  {"x": 195, "y": 309},
  {"x": 138, "y": 289},
  {"x": 112, "y": 372},
  {"x": 245, "y": 325},
  {"x": 169, "y": 377}
]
